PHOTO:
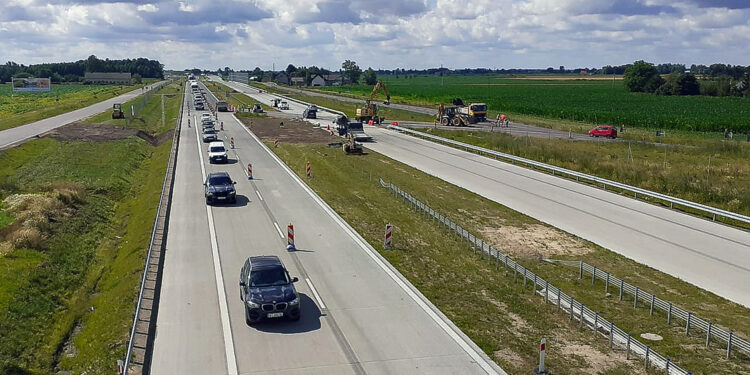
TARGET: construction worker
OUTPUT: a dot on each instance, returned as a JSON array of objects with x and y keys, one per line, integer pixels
[{"x": 502, "y": 118}]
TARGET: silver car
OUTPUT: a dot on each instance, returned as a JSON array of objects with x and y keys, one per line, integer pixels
[{"x": 209, "y": 135}]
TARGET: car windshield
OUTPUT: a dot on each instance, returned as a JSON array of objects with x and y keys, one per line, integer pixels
[
  {"x": 209, "y": 131},
  {"x": 219, "y": 180},
  {"x": 268, "y": 277},
  {"x": 479, "y": 107},
  {"x": 217, "y": 149}
]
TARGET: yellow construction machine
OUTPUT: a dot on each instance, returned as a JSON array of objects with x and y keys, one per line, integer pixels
[
  {"x": 117, "y": 111},
  {"x": 451, "y": 116},
  {"x": 370, "y": 110}
]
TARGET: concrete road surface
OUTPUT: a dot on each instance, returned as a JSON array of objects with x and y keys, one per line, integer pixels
[
  {"x": 707, "y": 254},
  {"x": 359, "y": 315},
  {"x": 21, "y": 133}
]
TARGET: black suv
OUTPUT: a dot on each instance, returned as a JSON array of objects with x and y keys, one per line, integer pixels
[
  {"x": 267, "y": 290},
  {"x": 219, "y": 187}
]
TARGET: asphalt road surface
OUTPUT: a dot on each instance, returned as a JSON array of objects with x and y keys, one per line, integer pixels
[
  {"x": 359, "y": 315},
  {"x": 21, "y": 133},
  {"x": 712, "y": 256}
]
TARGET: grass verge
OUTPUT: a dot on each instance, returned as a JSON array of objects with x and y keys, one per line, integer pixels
[
  {"x": 236, "y": 98},
  {"x": 505, "y": 320}
]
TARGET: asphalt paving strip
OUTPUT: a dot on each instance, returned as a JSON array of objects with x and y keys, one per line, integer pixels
[
  {"x": 338, "y": 334},
  {"x": 542, "y": 197}
]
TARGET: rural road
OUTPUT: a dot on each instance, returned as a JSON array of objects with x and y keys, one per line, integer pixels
[
  {"x": 712, "y": 256},
  {"x": 21, "y": 133},
  {"x": 359, "y": 315}
]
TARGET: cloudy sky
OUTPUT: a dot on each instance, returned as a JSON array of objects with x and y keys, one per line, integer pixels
[{"x": 243, "y": 34}]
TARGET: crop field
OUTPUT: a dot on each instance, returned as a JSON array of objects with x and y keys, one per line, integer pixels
[
  {"x": 22, "y": 108},
  {"x": 595, "y": 101}
]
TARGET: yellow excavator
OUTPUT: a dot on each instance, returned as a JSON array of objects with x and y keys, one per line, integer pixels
[
  {"x": 370, "y": 110},
  {"x": 117, "y": 111}
]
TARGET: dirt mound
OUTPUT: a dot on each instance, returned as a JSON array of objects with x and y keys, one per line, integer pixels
[
  {"x": 81, "y": 131},
  {"x": 292, "y": 131}
]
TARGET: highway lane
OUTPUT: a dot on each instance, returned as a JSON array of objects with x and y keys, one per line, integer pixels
[
  {"x": 21, "y": 133},
  {"x": 361, "y": 316},
  {"x": 707, "y": 254}
]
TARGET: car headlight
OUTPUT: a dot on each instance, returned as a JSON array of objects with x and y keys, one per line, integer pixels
[
  {"x": 252, "y": 304},
  {"x": 295, "y": 301}
]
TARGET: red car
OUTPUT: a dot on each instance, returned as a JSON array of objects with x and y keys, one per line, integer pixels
[{"x": 603, "y": 131}]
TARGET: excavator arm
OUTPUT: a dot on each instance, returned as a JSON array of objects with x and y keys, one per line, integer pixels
[{"x": 380, "y": 86}]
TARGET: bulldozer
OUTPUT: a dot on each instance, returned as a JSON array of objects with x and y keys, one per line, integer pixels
[
  {"x": 117, "y": 111},
  {"x": 370, "y": 110},
  {"x": 451, "y": 116}
]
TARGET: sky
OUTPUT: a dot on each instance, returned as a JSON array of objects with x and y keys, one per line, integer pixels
[{"x": 382, "y": 34}]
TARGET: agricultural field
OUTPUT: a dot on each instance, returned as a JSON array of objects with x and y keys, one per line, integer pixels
[
  {"x": 22, "y": 108},
  {"x": 594, "y": 101}
]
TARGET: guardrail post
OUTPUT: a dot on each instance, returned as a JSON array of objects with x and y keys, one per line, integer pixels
[
  {"x": 652, "y": 304},
  {"x": 546, "y": 292},
  {"x": 606, "y": 286},
  {"x": 596, "y": 320},
  {"x": 729, "y": 344},
  {"x": 580, "y": 270},
  {"x": 669, "y": 314},
  {"x": 687, "y": 324},
  {"x": 611, "y": 334},
  {"x": 648, "y": 351},
  {"x": 622, "y": 286},
  {"x": 627, "y": 350},
  {"x": 635, "y": 300},
  {"x": 708, "y": 333},
  {"x": 558, "y": 299},
  {"x": 524, "y": 277},
  {"x": 581, "y": 316},
  {"x": 515, "y": 272},
  {"x": 667, "y": 366},
  {"x": 505, "y": 269},
  {"x": 593, "y": 276},
  {"x": 533, "y": 289}
]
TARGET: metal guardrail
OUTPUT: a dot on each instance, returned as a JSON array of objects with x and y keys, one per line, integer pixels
[
  {"x": 172, "y": 155},
  {"x": 690, "y": 321},
  {"x": 575, "y": 309},
  {"x": 673, "y": 201}
]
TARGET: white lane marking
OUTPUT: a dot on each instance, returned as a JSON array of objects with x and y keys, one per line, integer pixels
[
  {"x": 315, "y": 293},
  {"x": 259, "y": 196},
  {"x": 281, "y": 234},
  {"x": 223, "y": 308},
  {"x": 474, "y": 354}
]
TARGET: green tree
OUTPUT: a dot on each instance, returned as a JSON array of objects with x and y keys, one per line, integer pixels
[
  {"x": 351, "y": 71},
  {"x": 137, "y": 78},
  {"x": 642, "y": 77},
  {"x": 370, "y": 77},
  {"x": 290, "y": 69}
]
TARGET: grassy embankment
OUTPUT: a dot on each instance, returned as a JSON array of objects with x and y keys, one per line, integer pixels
[
  {"x": 578, "y": 101},
  {"x": 24, "y": 108},
  {"x": 236, "y": 98},
  {"x": 67, "y": 302},
  {"x": 505, "y": 320}
]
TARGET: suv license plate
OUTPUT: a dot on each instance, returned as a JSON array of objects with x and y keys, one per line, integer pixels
[{"x": 275, "y": 315}]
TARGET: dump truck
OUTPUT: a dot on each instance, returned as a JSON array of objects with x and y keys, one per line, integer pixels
[{"x": 474, "y": 112}]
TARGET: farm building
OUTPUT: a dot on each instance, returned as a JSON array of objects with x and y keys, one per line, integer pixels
[{"x": 98, "y": 78}]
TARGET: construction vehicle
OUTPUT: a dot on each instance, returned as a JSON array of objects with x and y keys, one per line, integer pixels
[
  {"x": 451, "y": 116},
  {"x": 117, "y": 111},
  {"x": 351, "y": 146},
  {"x": 257, "y": 108},
  {"x": 474, "y": 112},
  {"x": 370, "y": 110},
  {"x": 310, "y": 112},
  {"x": 355, "y": 129}
]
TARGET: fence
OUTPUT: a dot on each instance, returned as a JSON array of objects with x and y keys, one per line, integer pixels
[
  {"x": 576, "y": 310},
  {"x": 673, "y": 202},
  {"x": 639, "y": 295},
  {"x": 155, "y": 242},
  {"x": 140, "y": 104}
]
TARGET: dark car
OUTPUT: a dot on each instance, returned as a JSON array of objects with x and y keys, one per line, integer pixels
[
  {"x": 603, "y": 131},
  {"x": 219, "y": 187},
  {"x": 310, "y": 112},
  {"x": 267, "y": 290}
]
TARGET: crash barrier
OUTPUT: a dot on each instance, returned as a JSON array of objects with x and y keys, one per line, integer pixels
[
  {"x": 677, "y": 203},
  {"x": 576, "y": 310},
  {"x": 649, "y": 300},
  {"x": 290, "y": 237},
  {"x": 146, "y": 303}
]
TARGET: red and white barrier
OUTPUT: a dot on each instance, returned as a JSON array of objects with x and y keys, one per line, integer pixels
[
  {"x": 276, "y": 143},
  {"x": 290, "y": 237},
  {"x": 308, "y": 170},
  {"x": 388, "y": 237},
  {"x": 249, "y": 171}
]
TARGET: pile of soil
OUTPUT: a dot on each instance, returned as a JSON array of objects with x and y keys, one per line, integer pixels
[
  {"x": 288, "y": 130},
  {"x": 81, "y": 131}
]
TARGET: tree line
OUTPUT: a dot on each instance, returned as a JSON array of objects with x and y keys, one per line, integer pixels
[
  {"x": 716, "y": 80},
  {"x": 74, "y": 71}
]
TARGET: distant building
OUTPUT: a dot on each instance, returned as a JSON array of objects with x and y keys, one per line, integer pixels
[
  {"x": 318, "y": 80},
  {"x": 335, "y": 79},
  {"x": 282, "y": 78},
  {"x": 97, "y": 78},
  {"x": 298, "y": 81}
]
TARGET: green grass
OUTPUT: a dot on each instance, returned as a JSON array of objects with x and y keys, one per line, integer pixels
[
  {"x": 236, "y": 98},
  {"x": 23, "y": 108},
  {"x": 148, "y": 118},
  {"x": 592, "y": 102},
  {"x": 686, "y": 173},
  {"x": 503, "y": 315},
  {"x": 92, "y": 259}
]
